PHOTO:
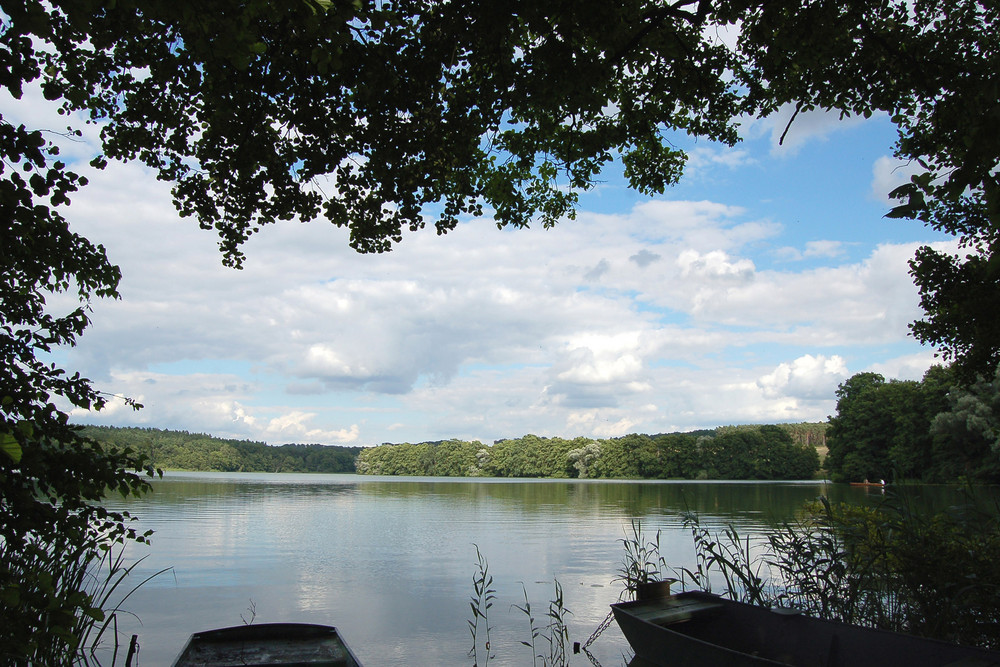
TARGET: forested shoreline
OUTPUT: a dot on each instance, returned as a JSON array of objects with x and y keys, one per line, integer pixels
[
  {"x": 933, "y": 430},
  {"x": 787, "y": 451},
  {"x": 728, "y": 452},
  {"x": 181, "y": 450}
]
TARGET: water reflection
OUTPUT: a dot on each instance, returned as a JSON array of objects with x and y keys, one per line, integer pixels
[{"x": 390, "y": 561}]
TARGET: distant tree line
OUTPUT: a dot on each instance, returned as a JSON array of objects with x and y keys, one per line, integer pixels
[
  {"x": 931, "y": 430},
  {"x": 785, "y": 451},
  {"x": 180, "y": 450},
  {"x": 743, "y": 452}
]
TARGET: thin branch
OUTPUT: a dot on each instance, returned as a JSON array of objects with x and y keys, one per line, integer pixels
[{"x": 790, "y": 121}]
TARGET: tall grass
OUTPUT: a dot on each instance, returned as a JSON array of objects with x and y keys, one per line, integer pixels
[
  {"x": 642, "y": 563},
  {"x": 482, "y": 601},
  {"x": 548, "y": 643},
  {"x": 63, "y": 601},
  {"x": 554, "y": 634}
]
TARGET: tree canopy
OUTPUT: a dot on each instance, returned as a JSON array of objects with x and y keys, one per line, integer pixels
[
  {"x": 730, "y": 452},
  {"x": 385, "y": 116},
  {"x": 930, "y": 430}
]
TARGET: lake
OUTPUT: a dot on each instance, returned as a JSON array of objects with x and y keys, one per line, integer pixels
[{"x": 390, "y": 561}]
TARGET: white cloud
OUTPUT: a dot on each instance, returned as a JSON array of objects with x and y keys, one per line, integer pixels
[
  {"x": 824, "y": 249},
  {"x": 701, "y": 159},
  {"x": 889, "y": 173},
  {"x": 808, "y": 377},
  {"x": 907, "y": 367},
  {"x": 479, "y": 334},
  {"x": 812, "y": 249},
  {"x": 714, "y": 265},
  {"x": 595, "y": 423},
  {"x": 789, "y": 131},
  {"x": 297, "y": 427}
]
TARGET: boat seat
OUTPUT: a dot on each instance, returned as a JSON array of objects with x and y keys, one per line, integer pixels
[{"x": 679, "y": 611}]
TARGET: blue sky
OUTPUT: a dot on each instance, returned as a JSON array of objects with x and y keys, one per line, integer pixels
[{"x": 743, "y": 295}]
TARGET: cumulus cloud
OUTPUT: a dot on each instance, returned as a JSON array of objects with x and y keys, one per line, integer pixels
[
  {"x": 790, "y": 131},
  {"x": 701, "y": 225},
  {"x": 597, "y": 370},
  {"x": 480, "y": 333},
  {"x": 714, "y": 265},
  {"x": 808, "y": 377},
  {"x": 297, "y": 426},
  {"x": 600, "y": 426}
]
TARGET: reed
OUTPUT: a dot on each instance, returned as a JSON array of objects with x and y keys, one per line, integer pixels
[
  {"x": 109, "y": 584},
  {"x": 534, "y": 632},
  {"x": 642, "y": 563},
  {"x": 66, "y": 601},
  {"x": 481, "y": 602},
  {"x": 554, "y": 634},
  {"x": 889, "y": 567},
  {"x": 556, "y": 631}
]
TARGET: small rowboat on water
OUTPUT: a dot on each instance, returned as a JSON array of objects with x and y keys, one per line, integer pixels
[
  {"x": 268, "y": 645},
  {"x": 700, "y": 630}
]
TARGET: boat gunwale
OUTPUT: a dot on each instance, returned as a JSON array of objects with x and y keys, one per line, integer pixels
[
  {"x": 265, "y": 631},
  {"x": 768, "y": 615}
]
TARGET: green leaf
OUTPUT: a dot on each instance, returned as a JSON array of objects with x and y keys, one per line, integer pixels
[
  {"x": 10, "y": 446},
  {"x": 11, "y": 595},
  {"x": 94, "y": 613}
]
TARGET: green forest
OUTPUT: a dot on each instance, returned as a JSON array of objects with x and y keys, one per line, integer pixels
[
  {"x": 180, "y": 450},
  {"x": 787, "y": 451},
  {"x": 932, "y": 430},
  {"x": 729, "y": 452}
]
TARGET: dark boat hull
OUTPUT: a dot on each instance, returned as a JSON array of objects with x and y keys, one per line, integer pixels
[
  {"x": 268, "y": 645},
  {"x": 701, "y": 629}
]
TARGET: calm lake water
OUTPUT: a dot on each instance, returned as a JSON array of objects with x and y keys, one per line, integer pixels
[{"x": 390, "y": 561}]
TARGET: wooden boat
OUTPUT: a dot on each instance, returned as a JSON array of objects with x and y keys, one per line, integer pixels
[
  {"x": 878, "y": 484},
  {"x": 699, "y": 629},
  {"x": 268, "y": 644}
]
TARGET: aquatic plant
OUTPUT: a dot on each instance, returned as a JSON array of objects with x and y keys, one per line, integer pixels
[
  {"x": 66, "y": 601},
  {"x": 739, "y": 560},
  {"x": 889, "y": 567},
  {"x": 533, "y": 630},
  {"x": 642, "y": 563},
  {"x": 481, "y": 602},
  {"x": 556, "y": 631}
]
